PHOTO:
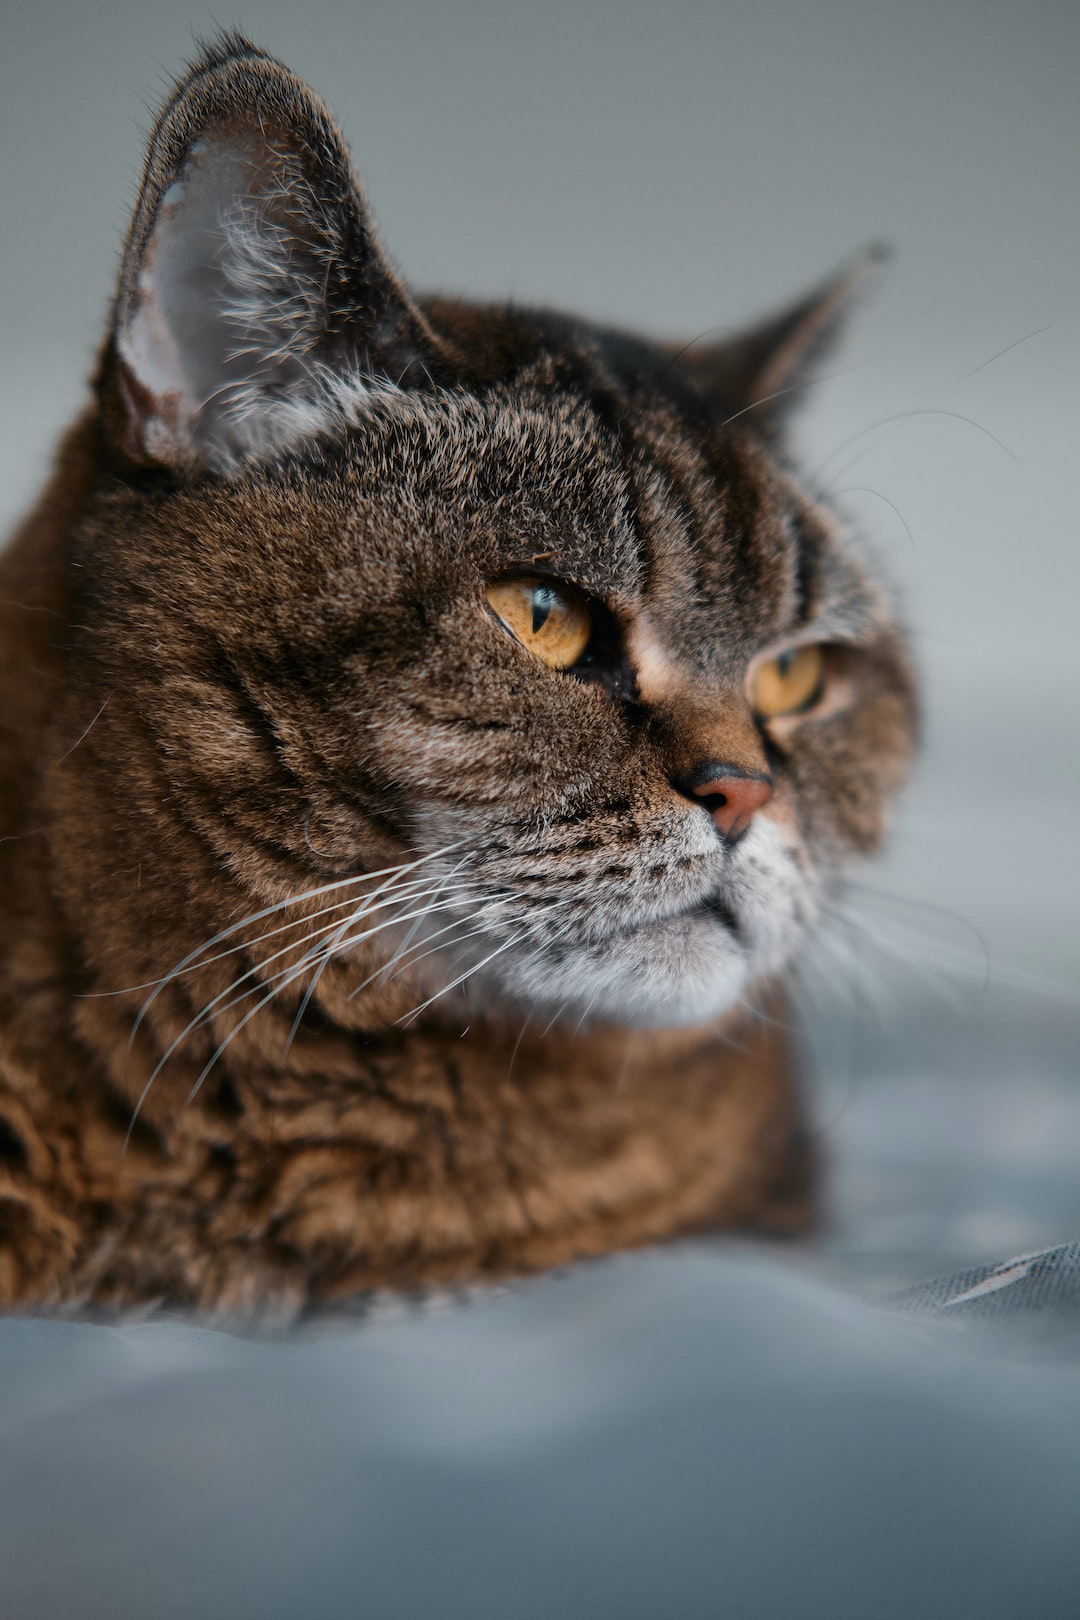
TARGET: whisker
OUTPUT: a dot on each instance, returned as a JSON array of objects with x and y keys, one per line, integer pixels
[
  {"x": 862, "y": 489},
  {"x": 495, "y": 897},
  {"x": 349, "y": 923},
  {"x": 246, "y": 943},
  {"x": 287, "y": 974},
  {"x": 513, "y": 940},
  {"x": 901, "y": 416},
  {"x": 293, "y": 975},
  {"x": 588, "y": 1008},
  {"x": 326, "y": 953},
  {"x": 517, "y": 1047},
  {"x": 981, "y": 965},
  {"x": 406, "y": 942},
  {"x": 205, "y": 1012},
  {"x": 320, "y": 953},
  {"x": 269, "y": 911},
  {"x": 432, "y": 950},
  {"x": 799, "y": 387},
  {"x": 1009, "y": 347},
  {"x": 843, "y": 939},
  {"x": 85, "y": 732},
  {"x": 366, "y": 909},
  {"x": 554, "y": 1019},
  {"x": 408, "y": 1018}
]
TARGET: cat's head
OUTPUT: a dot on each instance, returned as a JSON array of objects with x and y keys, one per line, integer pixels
[{"x": 532, "y": 610}]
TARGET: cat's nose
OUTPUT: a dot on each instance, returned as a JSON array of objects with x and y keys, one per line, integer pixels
[{"x": 731, "y": 796}]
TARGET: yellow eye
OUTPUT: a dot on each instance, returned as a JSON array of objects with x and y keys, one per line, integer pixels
[
  {"x": 550, "y": 621},
  {"x": 788, "y": 683}
]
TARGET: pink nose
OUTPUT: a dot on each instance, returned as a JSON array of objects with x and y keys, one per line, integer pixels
[{"x": 734, "y": 800}]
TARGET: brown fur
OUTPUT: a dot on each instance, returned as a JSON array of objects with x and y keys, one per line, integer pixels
[{"x": 240, "y": 661}]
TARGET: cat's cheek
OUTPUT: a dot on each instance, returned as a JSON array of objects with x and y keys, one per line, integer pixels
[
  {"x": 531, "y": 753},
  {"x": 848, "y": 771}
]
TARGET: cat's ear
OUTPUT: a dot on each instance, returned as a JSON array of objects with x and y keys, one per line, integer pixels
[
  {"x": 761, "y": 371},
  {"x": 255, "y": 306}
]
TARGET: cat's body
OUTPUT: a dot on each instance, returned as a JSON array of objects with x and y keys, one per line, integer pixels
[{"x": 259, "y": 659}]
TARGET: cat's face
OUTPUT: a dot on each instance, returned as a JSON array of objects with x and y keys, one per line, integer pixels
[{"x": 539, "y": 610}]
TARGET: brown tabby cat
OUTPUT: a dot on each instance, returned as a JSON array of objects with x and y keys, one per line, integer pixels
[{"x": 428, "y": 731}]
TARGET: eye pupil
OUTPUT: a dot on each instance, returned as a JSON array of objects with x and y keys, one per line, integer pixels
[
  {"x": 783, "y": 664},
  {"x": 542, "y": 599}
]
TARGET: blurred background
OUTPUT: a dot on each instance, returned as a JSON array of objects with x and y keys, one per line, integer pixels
[{"x": 678, "y": 168}]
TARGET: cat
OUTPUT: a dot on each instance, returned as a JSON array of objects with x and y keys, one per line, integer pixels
[{"x": 429, "y": 733}]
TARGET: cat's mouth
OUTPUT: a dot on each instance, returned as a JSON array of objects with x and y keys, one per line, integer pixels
[
  {"x": 719, "y": 908},
  {"x": 715, "y": 907}
]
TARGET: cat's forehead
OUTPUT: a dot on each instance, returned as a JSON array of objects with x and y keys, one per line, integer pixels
[
  {"x": 702, "y": 536},
  {"x": 720, "y": 533},
  {"x": 515, "y": 476}
]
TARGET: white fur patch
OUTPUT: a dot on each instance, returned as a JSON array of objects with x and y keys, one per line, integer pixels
[{"x": 636, "y": 959}]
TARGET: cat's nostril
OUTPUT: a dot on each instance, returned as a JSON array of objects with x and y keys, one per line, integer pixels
[{"x": 731, "y": 797}]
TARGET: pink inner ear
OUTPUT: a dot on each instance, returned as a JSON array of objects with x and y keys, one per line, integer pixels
[
  {"x": 177, "y": 344},
  {"x": 219, "y": 347}
]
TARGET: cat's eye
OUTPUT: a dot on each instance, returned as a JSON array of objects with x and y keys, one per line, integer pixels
[
  {"x": 788, "y": 683},
  {"x": 550, "y": 620}
]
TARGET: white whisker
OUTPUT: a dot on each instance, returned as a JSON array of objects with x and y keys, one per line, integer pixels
[
  {"x": 269, "y": 911},
  {"x": 408, "y": 1018},
  {"x": 506, "y": 944},
  {"x": 350, "y": 922},
  {"x": 257, "y": 972}
]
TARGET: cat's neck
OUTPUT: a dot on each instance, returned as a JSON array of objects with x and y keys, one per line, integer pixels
[{"x": 404, "y": 1160}]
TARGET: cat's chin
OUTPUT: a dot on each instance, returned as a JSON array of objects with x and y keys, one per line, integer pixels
[{"x": 684, "y": 970}]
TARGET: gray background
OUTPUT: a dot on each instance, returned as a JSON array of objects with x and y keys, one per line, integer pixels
[{"x": 678, "y": 167}]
